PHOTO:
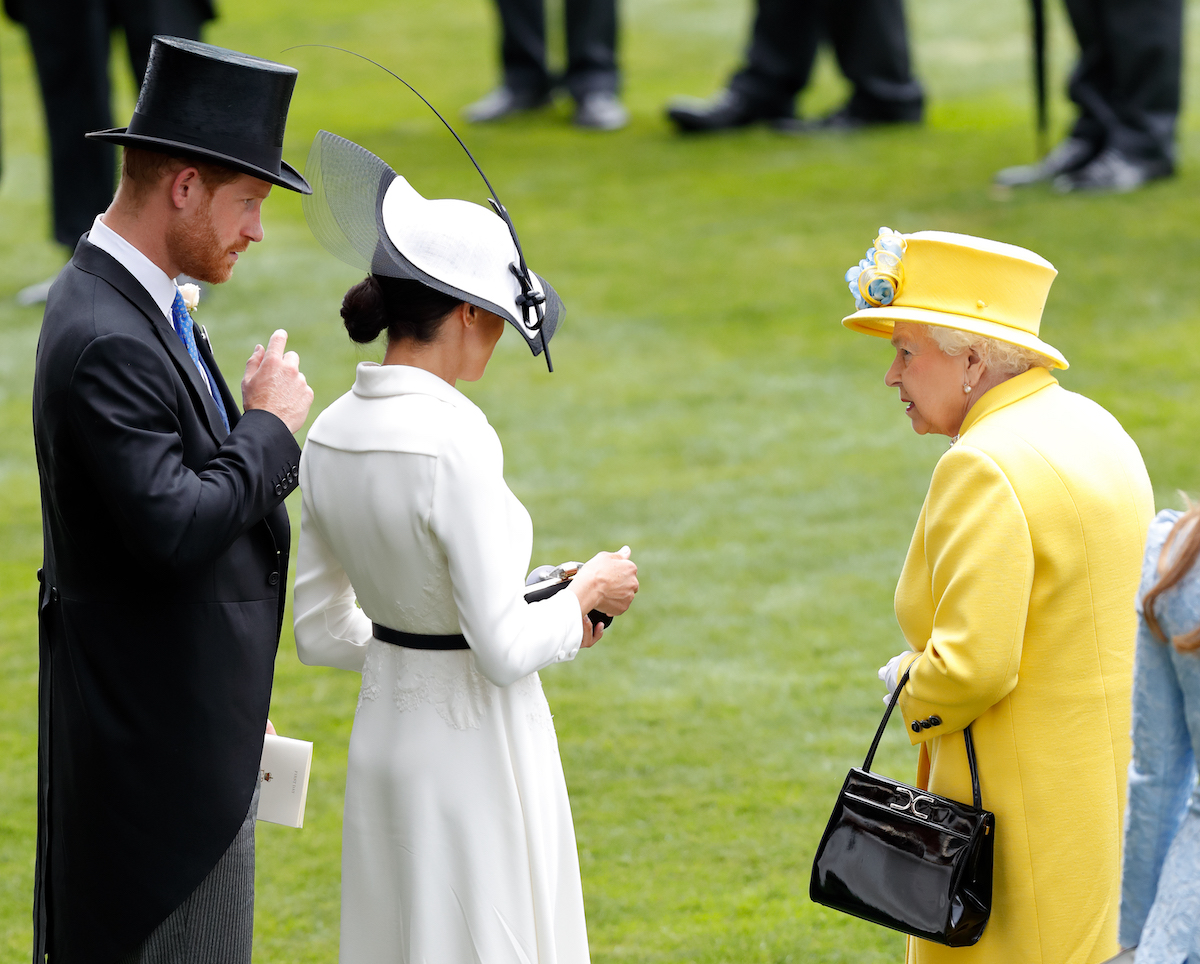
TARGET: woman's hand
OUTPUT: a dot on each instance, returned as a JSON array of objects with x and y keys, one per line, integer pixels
[
  {"x": 591, "y": 633},
  {"x": 606, "y": 582}
]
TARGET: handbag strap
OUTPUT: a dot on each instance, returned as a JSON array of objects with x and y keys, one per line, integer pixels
[{"x": 966, "y": 737}]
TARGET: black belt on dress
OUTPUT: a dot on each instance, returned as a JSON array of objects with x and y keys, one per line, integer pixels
[{"x": 398, "y": 637}]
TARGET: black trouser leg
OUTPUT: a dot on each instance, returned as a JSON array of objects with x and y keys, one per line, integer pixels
[
  {"x": 1127, "y": 82},
  {"x": 870, "y": 40},
  {"x": 70, "y": 48},
  {"x": 591, "y": 46},
  {"x": 523, "y": 48},
  {"x": 141, "y": 20},
  {"x": 783, "y": 48}
]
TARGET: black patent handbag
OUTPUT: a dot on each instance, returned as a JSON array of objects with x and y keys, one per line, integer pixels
[{"x": 906, "y": 858}]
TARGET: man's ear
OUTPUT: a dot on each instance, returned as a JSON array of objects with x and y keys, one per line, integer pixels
[
  {"x": 470, "y": 314},
  {"x": 185, "y": 186}
]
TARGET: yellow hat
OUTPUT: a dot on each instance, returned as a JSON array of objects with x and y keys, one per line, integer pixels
[{"x": 972, "y": 284}]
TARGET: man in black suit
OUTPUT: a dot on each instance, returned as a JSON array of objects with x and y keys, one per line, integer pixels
[
  {"x": 1126, "y": 88},
  {"x": 70, "y": 41},
  {"x": 870, "y": 42},
  {"x": 166, "y": 539}
]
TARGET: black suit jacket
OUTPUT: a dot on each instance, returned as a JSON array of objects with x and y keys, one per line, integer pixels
[{"x": 166, "y": 550}]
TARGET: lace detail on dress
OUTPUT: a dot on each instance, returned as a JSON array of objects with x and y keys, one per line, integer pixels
[
  {"x": 372, "y": 667},
  {"x": 450, "y": 681},
  {"x": 529, "y": 689}
]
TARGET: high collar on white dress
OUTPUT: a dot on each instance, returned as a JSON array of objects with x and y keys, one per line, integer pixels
[{"x": 373, "y": 380}]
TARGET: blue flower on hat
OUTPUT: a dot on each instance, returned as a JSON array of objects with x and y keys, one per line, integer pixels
[{"x": 877, "y": 279}]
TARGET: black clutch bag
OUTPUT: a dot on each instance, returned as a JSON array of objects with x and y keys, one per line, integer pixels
[
  {"x": 906, "y": 858},
  {"x": 545, "y": 581}
]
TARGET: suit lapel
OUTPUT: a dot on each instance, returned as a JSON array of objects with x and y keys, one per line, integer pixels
[
  {"x": 103, "y": 265},
  {"x": 204, "y": 346}
]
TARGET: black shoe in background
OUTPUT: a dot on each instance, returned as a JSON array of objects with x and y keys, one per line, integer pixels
[
  {"x": 1068, "y": 157},
  {"x": 725, "y": 111},
  {"x": 504, "y": 102},
  {"x": 1113, "y": 172}
]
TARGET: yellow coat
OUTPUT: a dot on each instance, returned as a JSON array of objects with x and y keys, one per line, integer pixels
[{"x": 1018, "y": 595}]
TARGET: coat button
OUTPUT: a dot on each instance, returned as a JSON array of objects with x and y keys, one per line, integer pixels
[
  {"x": 916, "y": 727},
  {"x": 273, "y": 579},
  {"x": 935, "y": 721},
  {"x": 54, "y": 593},
  {"x": 925, "y": 724},
  {"x": 278, "y": 489}
]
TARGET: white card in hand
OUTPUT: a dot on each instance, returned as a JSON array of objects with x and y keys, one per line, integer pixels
[{"x": 285, "y": 767}]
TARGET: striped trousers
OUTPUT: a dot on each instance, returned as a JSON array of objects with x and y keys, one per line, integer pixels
[{"x": 215, "y": 924}]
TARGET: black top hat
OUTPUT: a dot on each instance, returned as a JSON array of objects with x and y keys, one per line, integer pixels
[{"x": 214, "y": 104}]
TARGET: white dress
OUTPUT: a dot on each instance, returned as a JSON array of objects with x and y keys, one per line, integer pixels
[{"x": 457, "y": 845}]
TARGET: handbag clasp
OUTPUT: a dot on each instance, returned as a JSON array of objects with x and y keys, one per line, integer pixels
[{"x": 910, "y": 805}]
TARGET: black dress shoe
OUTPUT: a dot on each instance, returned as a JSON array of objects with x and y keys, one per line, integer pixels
[
  {"x": 1069, "y": 156},
  {"x": 1113, "y": 171},
  {"x": 726, "y": 110},
  {"x": 503, "y": 102}
]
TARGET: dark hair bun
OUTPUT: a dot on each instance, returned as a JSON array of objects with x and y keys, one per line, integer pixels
[
  {"x": 407, "y": 309},
  {"x": 363, "y": 311}
]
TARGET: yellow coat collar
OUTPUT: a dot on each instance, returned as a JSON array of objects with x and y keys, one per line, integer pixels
[{"x": 1007, "y": 392}]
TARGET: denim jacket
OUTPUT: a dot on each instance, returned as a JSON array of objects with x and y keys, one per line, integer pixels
[{"x": 1160, "y": 881}]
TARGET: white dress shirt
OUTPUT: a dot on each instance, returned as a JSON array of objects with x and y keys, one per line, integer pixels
[{"x": 150, "y": 276}]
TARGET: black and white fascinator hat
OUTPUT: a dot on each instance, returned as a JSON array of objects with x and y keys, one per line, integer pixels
[{"x": 367, "y": 215}]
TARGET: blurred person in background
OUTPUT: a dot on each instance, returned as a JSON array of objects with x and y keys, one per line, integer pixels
[
  {"x": 1160, "y": 881},
  {"x": 71, "y": 40},
  {"x": 591, "y": 78},
  {"x": 1126, "y": 87},
  {"x": 870, "y": 42},
  {"x": 1015, "y": 598}
]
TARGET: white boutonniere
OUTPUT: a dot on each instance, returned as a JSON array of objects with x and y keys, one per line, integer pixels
[{"x": 191, "y": 297}]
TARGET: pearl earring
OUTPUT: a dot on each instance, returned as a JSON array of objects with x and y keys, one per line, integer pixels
[{"x": 966, "y": 388}]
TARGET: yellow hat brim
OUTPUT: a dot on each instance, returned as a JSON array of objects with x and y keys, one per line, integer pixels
[{"x": 880, "y": 322}]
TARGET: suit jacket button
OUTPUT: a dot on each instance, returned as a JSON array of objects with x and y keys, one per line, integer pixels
[
  {"x": 278, "y": 489},
  {"x": 916, "y": 727},
  {"x": 273, "y": 579},
  {"x": 935, "y": 721},
  {"x": 925, "y": 724},
  {"x": 54, "y": 593}
]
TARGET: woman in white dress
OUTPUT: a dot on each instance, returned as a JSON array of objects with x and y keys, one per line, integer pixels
[{"x": 458, "y": 844}]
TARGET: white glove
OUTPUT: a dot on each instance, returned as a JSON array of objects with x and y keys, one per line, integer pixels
[{"x": 890, "y": 675}]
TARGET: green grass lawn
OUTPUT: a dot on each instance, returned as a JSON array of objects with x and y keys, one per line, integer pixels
[{"x": 708, "y": 409}]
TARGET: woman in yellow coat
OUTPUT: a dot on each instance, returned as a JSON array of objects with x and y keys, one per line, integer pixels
[{"x": 1017, "y": 594}]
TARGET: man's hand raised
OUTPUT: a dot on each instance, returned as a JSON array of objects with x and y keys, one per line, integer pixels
[{"x": 274, "y": 382}]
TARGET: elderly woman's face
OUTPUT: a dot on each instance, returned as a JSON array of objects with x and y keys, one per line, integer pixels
[{"x": 930, "y": 381}]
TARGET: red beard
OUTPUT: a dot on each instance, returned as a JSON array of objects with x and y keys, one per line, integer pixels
[{"x": 195, "y": 246}]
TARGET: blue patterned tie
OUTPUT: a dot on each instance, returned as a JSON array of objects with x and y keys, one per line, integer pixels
[{"x": 182, "y": 322}]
